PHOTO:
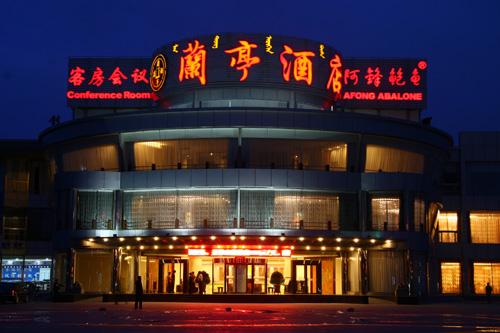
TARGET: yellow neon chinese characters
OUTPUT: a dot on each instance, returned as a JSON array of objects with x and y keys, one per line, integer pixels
[
  {"x": 215, "y": 44},
  {"x": 300, "y": 62},
  {"x": 269, "y": 46},
  {"x": 242, "y": 60},
  {"x": 193, "y": 63},
  {"x": 322, "y": 51},
  {"x": 335, "y": 74},
  {"x": 158, "y": 72}
]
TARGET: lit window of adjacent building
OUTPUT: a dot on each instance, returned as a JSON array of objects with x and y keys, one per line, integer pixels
[
  {"x": 96, "y": 158},
  {"x": 485, "y": 227},
  {"x": 419, "y": 213},
  {"x": 385, "y": 213},
  {"x": 384, "y": 159},
  {"x": 447, "y": 227},
  {"x": 450, "y": 277},
  {"x": 486, "y": 272}
]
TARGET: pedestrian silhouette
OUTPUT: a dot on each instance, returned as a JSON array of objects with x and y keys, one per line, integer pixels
[
  {"x": 489, "y": 290},
  {"x": 138, "y": 293}
]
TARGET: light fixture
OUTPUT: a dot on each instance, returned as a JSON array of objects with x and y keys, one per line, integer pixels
[
  {"x": 356, "y": 240},
  {"x": 351, "y": 248},
  {"x": 91, "y": 239},
  {"x": 138, "y": 239},
  {"x": 388, "y": 241},
  {"x": 193, "y": 237},
  {"x": 122, "y": 239},
  {"x": 260, "y": 246},
  {"x": 292, "y": 247},
  {"x": 320, "y": 239},
  {"x": 174, "y": 237},
  {"x": 372, "y": 241},
  {"x": 203, "y": 246},
  {"x": 156, "y": 238},
  {"x": 233, "y": 237},
  {"x": 213, "y": 237},
  {"x": 156, "y": 247},
  {"x": 262, "y": 238},
  {"x": 276, "y": 247},
  {"x": 337, "y": 248},
  {"x": 323, "y": 248},
  {"x": 141, "y": 247},
  {"x": 127, "y": 247},
  {"x": 170, "y": 247},
  {"x": 308, "y": 247},
  {"x": 301, "y": 239},
  {"x": 242, "y": 237},
  {"x": 219, "y": 246},
  {"x": 186, "y": 246},
  {"x": 282, "y": 238},
  {"x": 105, "y": 239},
  {"x": 338, "y": 239}
]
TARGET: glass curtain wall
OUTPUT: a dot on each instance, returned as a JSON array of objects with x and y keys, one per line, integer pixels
[
  {"x": 385, "y": 159},
  {"x": 385, "y": 213},
  {"x": 173, "y": 154},
  {"x": 295, "y": 154},
  {"x": 179, "y": 209},
  {"x": 94, "y": 210},
  {"x": 289, "y": 210},
  {"x": 96, "y": 158}
]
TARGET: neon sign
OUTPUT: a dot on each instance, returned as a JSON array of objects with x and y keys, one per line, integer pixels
[
  {"x": 158, "y": 72},
  {"x": 244, "y": 60},
  {"x": 240, "y": 252}
]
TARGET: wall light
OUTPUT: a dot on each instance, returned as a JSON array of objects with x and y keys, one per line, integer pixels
[
  {"x": 351, "y": 248},
  {"x": 242, "y": 237},
  {"x": 127, "y": 247},
  {"x": 91, "y": 239}
]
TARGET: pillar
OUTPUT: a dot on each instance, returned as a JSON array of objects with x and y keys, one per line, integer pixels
[
  {"x": 115, "y": 274},
  {"x": 70, "y": 269},
  {"x": 363, "y": 254}
]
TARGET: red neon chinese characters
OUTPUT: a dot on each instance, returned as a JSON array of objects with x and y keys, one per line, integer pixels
[
  {"x": 351, "y": 75},
  {"x": 415, "y": 77},
  {"x": 302, "y": 65},
  {"x": 244, "y": 60},
  {"x": 373, "y": 76},
  {"x": 396, "y": 78},
  {"x": 97, "y": 77},
  {"x": 76, "y": 76},
  {"x": 117, "y": 76},
  {"x": 139, "y": 75},
  {"x": 335, "y": 75},
  {"x": 193, "y": 63}
]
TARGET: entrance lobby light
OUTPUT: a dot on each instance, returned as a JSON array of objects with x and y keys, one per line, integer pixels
[
  {"x": 138, "y": 239},
  {"x": 156, "y": 238},
  {"x": 193, "y": 237},
  {"x": 337, "y": 248},
  {"x": 213, "y": 237},
  {"x": 320, "y": 239},
  {"x": 156, "y": 247},
  {"x": 323, "y": 248},
  {"x": 105, "y": 239},
  {"x": 338, "y": 239},
  {"x": 233, "y": 237},
  {"x": 308, "y": 247},
  {"x": 282, "y": 238},
  {"x": 170, "y": 247},
  {"x": 141, "y": 247},
  {"x": 356, "y": 240},
  {"x": 372, "y": 241},
  {"x": 174, "y": 238},
  {"x": 301, "y": 239},
  {"x": 122, "y": 239},
  {"x": 242, "y": 237},
  {"x": 262, "y": 238}
]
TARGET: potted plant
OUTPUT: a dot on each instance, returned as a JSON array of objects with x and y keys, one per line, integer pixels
[{"x": 277, "y": 280}]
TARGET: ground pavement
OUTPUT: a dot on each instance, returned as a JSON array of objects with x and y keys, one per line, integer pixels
[{"x": 95, "y": 316}]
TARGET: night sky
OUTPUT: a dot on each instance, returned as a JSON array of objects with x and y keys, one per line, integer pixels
[{"x": 460, "y": 40}]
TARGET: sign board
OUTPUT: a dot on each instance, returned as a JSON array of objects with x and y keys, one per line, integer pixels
[
  {"x": 240, "y": 252},
  {"x": 109, "y": 83}
]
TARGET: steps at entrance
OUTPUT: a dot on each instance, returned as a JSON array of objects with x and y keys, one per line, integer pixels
[{"x": 241, "y": 298}]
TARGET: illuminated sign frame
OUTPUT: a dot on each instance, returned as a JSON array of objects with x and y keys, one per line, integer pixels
[{"x": 240, "y": 253}]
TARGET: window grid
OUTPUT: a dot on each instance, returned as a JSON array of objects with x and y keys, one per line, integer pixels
[
  {"x": 485, "y": 227},
  {"x": 447, "y": 227},
  {"x": 450, "y": 277},
  {"x": 385, "y": 213}
]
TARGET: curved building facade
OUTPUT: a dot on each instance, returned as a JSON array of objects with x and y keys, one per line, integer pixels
[{"x": 248, "y": 163}]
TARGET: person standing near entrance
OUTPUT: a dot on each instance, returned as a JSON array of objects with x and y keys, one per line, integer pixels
[
  {"x": 138, "y": 293},
  {"x": 489, "y": 291},
  {"x": 172, "y": 285}
]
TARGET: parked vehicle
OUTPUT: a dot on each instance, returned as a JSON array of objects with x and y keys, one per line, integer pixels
[{"x": 15, "y": 292}]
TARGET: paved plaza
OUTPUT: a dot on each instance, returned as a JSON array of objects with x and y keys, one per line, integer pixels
[{"x": 95, "y": 316}]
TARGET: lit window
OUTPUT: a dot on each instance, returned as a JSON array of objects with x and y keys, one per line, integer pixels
[
  {"x": 450, "y": 277},
  {"x": 385, "y": 214},
  {"x": 384, "y": 159},
  {"x": 92, "y": 159},
  {"x": 447, "y": 227},
  {"x": 486, "y": 272},
  {"x": 418, "y": 213},
  {"x": 485, "y": 227}
]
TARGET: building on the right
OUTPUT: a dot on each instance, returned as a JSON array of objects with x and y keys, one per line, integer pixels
[{"x": 465, "y": 254}]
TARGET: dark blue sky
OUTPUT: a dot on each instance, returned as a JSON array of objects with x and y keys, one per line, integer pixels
[{"x": 460, "y": 40}]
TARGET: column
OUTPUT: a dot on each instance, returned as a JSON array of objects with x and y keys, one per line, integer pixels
[
  {"x": 345, "y": 272},
  {"x": 364, "y": 270},
  {"x": 115, "y": 274},
  {"x": 70, "y": 269}
]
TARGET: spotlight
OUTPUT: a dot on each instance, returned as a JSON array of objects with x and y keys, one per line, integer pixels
[
  {"x": 91, "y": 239},
  {"x": 138, "y": 239},
  {"x": 174, "y": 238},
  {"x": 156, "y": 238},
  {"x": 233, "y": 237},
  {"x": 320, "y": 239},
  {"x": 356, "y": 240},
  {"x": 308, "y": 247},
  {"x": 170, "y": 247},
  {"x": 337, "y": 248},
  {"x": 338, "y": 239},
  {"x": 122, "y": 239},
  {"x": 282, "y": 238},
  {"x": 301, "y": 239},
  {"x": 213, "y": 237},
  {"x": 372, "y": 241},
  {"x": 262, "y": 238},
  {"x": 105, "y": 239},
  {"x": 156, "y": 247},
  {"x": 323, "y": 248},
  {"x": 193, "y": 237}
]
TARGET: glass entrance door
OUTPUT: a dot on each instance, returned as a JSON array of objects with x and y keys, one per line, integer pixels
[{"x": 307, "y": 274}]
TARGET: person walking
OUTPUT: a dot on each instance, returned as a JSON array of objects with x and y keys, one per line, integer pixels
[
  {"x": 138, "y": 293},
  {"x": 489, "y": 291}
]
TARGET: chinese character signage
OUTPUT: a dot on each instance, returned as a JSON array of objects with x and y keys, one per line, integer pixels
[
  {"x": 384, "y": 84},
  {"x": 109, "y": 82},
  {"x": 248, "y": 60}
]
